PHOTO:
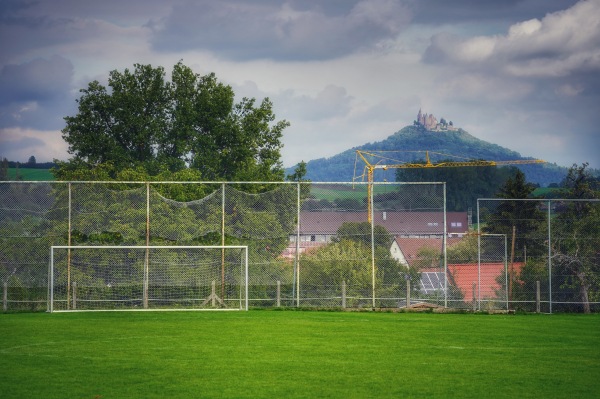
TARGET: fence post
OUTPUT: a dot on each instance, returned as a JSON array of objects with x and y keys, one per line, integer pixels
[
  {"x": 445, "y": 249},
  {"x": 222, "y": 240},
  {"x": 344, "y": 294},
  {"x": 474, "y": 301},
  {"x": 550, "y": 255},
  {"x": 213, "y": 294},
  {"x": 537, "y": 296},
  {"x": 69, "y": 241},
  {"x": 372, "y": 217},
  {"x": 74, "y": 295},
  {"x": 145, "y": 283},
  {"x": 407, "y": 293},
  {"x": 278, "y": 293},
  {"x": 296, "y": 279},
  {"x": 5, "y": 297}
]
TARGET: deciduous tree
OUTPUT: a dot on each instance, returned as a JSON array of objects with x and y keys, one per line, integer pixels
[
  {"x": 141, "y": 120},
  {"x": 576, "y": 237}
]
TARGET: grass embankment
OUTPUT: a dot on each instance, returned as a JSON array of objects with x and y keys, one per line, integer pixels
[{"x": 297, "y": 354}]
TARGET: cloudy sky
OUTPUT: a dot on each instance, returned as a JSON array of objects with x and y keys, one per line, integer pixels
[{"x": 524, "y": 74}]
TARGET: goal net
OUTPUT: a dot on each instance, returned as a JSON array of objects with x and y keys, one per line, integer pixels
[{"x": 147, "y": 277}]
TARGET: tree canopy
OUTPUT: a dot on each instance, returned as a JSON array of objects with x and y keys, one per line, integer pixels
[
  {"x": 522, "y": 217},
  {"x": 464, "y": 185},
  {"x": 577, "y": 230},
  {"x": 145, "y": 123},
  {"x": 348, "y": 257},
  {"x": 573, "y": 244}
]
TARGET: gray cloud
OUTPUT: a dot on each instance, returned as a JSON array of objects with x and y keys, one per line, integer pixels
[
  {"x": 243, "y": 30},
  {"x": 560, "y": 44},
  {"x": 29, "y": 26},
  {"x": 22, "y": 143},
  {"x": 23, "y": 33},
  {"x": 550, "y": 64},
  {"x": 18, "y": 144},
  {"x": 437, "y": 12},
  {"x": 37, "y": 80},
  {"x": 333, "y": 101},
  {"x": 35, "y": 93}
]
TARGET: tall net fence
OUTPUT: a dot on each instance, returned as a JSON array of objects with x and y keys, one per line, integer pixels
[
  {"x": 32, "y": 219},
  {"x": 313, "y": 244},
  {"x": 553, "y": 252}
]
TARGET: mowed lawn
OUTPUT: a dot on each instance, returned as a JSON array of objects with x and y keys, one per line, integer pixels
[{"x": 298, "y": 354}]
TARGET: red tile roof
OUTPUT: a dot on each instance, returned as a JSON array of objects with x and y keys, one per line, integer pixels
[
  {"x": 410, "y": 247},
  {"x": 304, "y": 247},
  {"x": 486, "y": 277}
]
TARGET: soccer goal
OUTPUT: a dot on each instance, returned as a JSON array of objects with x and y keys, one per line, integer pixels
[{"x": 83, "y": 278}]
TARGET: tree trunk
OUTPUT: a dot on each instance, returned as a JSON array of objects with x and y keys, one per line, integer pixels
[{"x": 584, "y": 293}]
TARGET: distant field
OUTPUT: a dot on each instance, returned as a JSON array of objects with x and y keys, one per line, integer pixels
[
  {"x": 30, "y": 174},
  {"x": 359, "y": 192},
  {"x": 547, "y": 192},
  {"x": 298, "y": 354},
  {"x": 330, "y": 193}
]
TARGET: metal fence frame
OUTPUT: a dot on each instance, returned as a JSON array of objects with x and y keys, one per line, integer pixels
[
  {"x": 548, "y": 219},
  {"x": 295, "y": 288}
]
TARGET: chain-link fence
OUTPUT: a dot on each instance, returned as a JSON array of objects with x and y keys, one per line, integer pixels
[
  {"x": 309, "y": 244},
  {"x": 553, "y": 251}
]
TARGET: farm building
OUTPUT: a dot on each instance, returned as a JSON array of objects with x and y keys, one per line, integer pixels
[
  {"x": 487, "y": 277},
  {"x": 323, "y": 226},
  {"x": 319, "y": 228}
]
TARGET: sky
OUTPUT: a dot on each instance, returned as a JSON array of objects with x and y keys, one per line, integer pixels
[{"x": 523, "y": 74}]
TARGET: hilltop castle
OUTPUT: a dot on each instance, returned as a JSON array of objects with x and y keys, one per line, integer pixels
[{"x": 430, "y": 122}]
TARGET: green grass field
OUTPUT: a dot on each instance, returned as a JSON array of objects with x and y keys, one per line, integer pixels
[
  {"x": 358, "y": 192},
  {"x": 30, "y": 174},
  {"x": 298, "y": 354}
]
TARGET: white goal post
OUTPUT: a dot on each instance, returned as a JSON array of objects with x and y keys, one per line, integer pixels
[{"x": 121, "y": 277}]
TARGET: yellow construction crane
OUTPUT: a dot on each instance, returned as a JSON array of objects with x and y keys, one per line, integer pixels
[{"x": 395, "y": 164}]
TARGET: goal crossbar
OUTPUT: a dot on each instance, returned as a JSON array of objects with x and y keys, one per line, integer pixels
[{"x": 147, "y": 277}]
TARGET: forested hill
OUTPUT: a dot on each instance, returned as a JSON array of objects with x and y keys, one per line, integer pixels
[{"x": 416, "y": 138}]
